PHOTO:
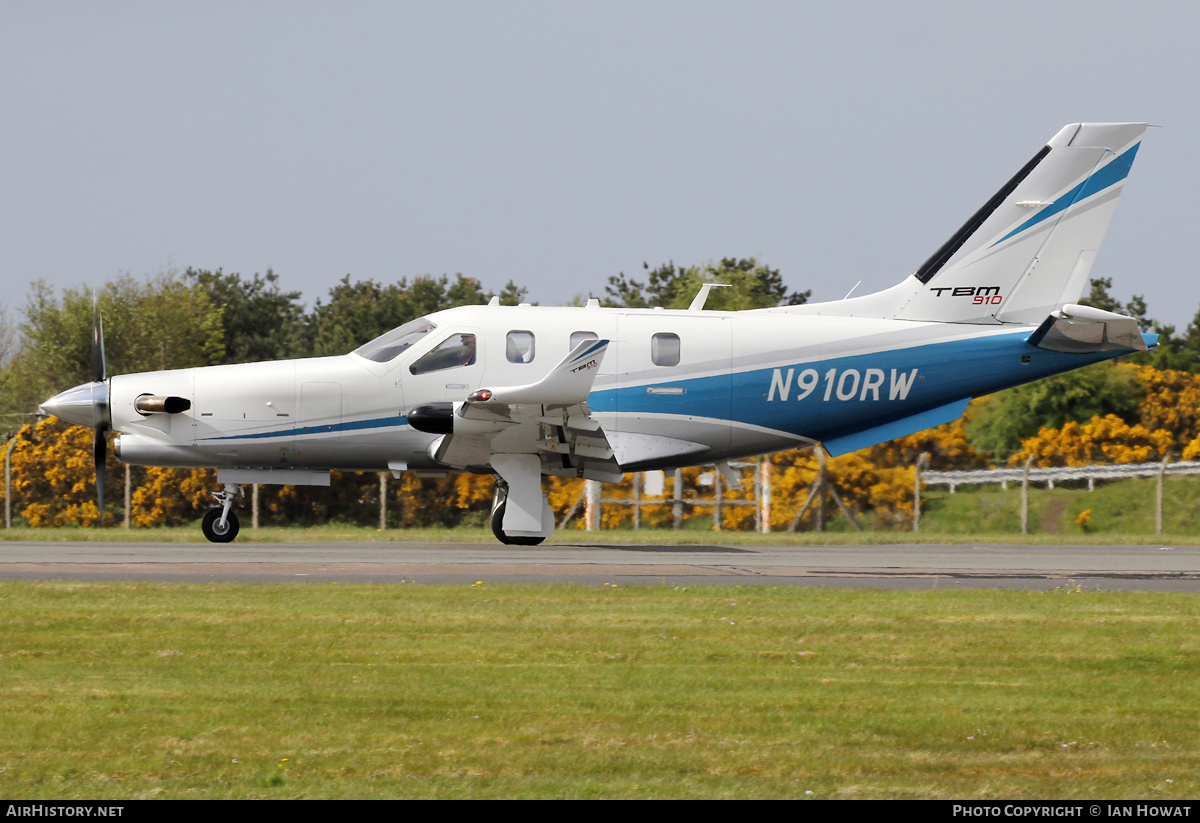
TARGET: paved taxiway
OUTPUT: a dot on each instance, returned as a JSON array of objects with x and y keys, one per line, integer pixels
[{"x": 1149, "y": 567}]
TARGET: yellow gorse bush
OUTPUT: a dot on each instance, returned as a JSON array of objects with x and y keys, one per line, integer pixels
[{"x": 1107, "y": 439}]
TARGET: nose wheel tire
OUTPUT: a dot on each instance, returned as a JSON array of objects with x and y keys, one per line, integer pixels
[{"x": 213, "y": 529}]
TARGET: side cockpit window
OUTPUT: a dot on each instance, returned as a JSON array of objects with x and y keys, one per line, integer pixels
[
  {"x": 455, "y": 351},
  {"x": 386, "y": 347}
]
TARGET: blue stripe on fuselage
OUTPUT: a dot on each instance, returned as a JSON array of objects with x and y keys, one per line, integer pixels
[
  {"x": 842, "y": 395},
  {"x": 352, "y": 425}
]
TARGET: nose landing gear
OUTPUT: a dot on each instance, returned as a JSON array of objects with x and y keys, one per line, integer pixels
[{"x": 221, "y": 525}]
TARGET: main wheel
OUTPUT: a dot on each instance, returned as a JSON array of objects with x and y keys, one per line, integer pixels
[
  {"x": 214, "y": 531},
  {"x": 498, "y": 530}
]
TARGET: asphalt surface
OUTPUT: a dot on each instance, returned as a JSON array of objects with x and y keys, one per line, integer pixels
[{"x": 1146, "y": 567}]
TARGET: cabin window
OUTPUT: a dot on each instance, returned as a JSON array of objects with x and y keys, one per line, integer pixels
[
  {"x": 578, "y": 337},
  {"x": 664, "y": 349},
  {"x": 455, "y": 351},
  {"x": 385, "y": 347},
  {"x": 519, "y": 347}
]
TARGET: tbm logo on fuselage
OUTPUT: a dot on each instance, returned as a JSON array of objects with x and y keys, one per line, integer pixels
[
  {"x": 981, "y": 295},
  {"x": 849, "y": 384}
]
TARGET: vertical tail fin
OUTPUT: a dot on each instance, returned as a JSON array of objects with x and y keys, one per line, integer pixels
[{"x": 1030, "y": 248}]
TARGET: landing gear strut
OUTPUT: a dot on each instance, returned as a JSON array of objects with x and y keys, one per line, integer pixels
[{"x": 221, "y": 525}]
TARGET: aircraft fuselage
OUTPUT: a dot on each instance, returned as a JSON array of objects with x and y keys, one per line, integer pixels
[{"x": 727, "y": 384}]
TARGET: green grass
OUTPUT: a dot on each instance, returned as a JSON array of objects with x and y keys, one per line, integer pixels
[
  {"x": 1123, "y": 509},
  {"x": 325, "y": 690}
]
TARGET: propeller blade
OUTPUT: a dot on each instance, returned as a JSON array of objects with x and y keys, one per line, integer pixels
[
  {"x": 100, "y": 455},
  {"x": 100, "y": 401},
  {"x": 99, "y": 366}
]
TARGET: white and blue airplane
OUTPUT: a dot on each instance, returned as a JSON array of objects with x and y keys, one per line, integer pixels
[{"x": 521, "y": 392}]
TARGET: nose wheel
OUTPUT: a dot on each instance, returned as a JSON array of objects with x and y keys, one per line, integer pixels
[
  {"x": 219, "y": 530},
  {"x": 221, "y": 525}
]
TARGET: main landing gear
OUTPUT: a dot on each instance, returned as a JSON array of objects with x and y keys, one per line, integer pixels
[
  {"x": 499, "y": 505},
  {"x": 221, "y": 525},
  {"x": 520, "y": 514}
]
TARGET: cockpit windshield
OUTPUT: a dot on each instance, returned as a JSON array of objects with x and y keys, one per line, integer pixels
[{"x": 386, "y": 346}]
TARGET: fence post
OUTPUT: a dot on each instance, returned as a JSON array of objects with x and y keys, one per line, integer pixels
[
  {"x": 1025, "y": 496},
  {"x": 637, "y": 501},
  {"x": 12, "y": 441},
  {"x": 718, "y": 481},
  {"x": 764, "y": 503},
  {"x": 1158, "y": 497},
  {"x": 922, "y": 462},
  {"x": 383, "y": 500},
  {"x": 591, "y": 516},
  {"x": 677, "y": 506},
  {"x": 254, "y": 506},
  {"x": 824, "y": 481}
]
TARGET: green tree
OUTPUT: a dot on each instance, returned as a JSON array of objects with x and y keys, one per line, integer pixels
[
  {"x": 1099, "y": 297},
  {"x": 9, "y": 339},
  {"x": 151, "y": 324},
  {"x": 361, "y": 310},
  {"x": 1172, "y": 352},
  {"x": 156, "y": 323},
  {"x": 259, "y": 320},
  {"x": 753, "y": 285},
  {"x": 999, "y": 423},
  {"x": 1185, "y": 350}
]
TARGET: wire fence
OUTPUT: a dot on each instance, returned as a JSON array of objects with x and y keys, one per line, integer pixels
[
  {"x": 591, "y": 500},
  {"x": 953, "y": 479}
]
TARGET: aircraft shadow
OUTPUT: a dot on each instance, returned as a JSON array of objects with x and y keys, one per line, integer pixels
[{"x": 660, "y": 549}]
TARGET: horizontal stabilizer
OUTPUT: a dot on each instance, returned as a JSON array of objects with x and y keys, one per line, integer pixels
[
  {"x": 1081, "y": 329},
  {"x": 897, "y": 428}
]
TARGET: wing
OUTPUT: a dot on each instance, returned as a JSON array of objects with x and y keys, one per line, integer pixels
[{"x": 549, "y": 418}]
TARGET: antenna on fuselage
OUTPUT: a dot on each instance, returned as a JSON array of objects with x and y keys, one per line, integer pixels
[{"x": 702, "y": 296}]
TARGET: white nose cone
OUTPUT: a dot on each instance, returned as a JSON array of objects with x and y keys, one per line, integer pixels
[{"x": 85, "y": 405}]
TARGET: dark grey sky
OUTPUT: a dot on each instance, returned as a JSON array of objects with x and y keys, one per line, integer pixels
[{"x": 558, "y": 143}]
